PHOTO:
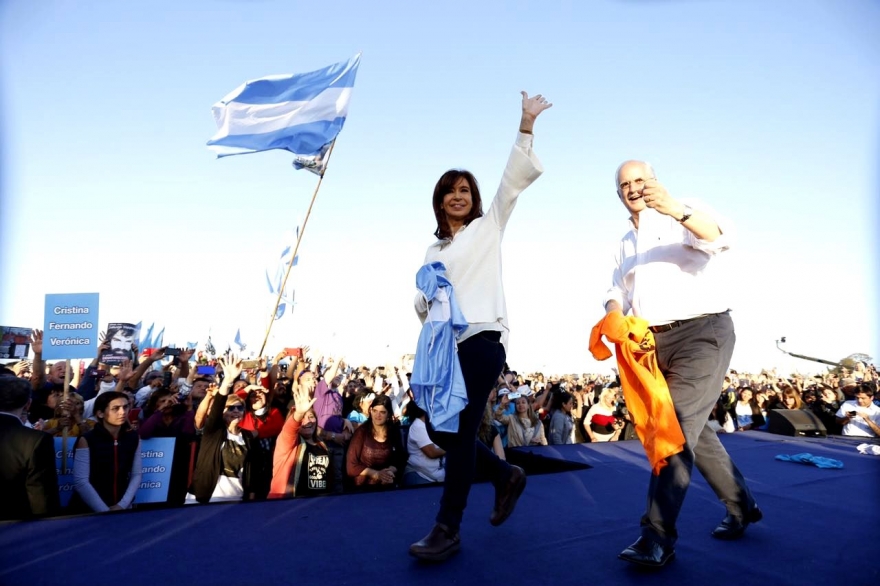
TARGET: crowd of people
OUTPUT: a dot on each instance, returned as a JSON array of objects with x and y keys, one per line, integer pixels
[
  {"x": 311, "y": 425},
  {"x": 845, "y": 403}
]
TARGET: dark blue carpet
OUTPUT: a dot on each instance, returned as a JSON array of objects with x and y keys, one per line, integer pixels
[{"x": 820, "y": 527}]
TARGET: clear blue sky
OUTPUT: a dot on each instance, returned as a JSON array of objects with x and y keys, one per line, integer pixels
[{"x": 768, "y": 111}]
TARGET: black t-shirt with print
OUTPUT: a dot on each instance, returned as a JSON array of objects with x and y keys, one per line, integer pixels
[{"x": 315, "y": 475}]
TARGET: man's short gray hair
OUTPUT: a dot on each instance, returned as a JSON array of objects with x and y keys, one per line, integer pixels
[{"x": 625, "y": 163}]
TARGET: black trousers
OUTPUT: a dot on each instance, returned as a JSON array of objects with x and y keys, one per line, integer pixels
[
  {"x": 694, "y": 358},
  {"x": 482, "y": 359}
]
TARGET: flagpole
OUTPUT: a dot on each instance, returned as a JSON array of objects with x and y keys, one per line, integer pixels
[
  {"x": 64, "y": 430},
  {"x": 296, "y": 248}
]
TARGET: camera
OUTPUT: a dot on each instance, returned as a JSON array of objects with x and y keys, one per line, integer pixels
[{"x": 172, "y": 352}]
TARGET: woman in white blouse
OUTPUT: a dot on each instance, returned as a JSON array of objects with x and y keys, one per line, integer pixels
[{"x": 469, "y": 246}]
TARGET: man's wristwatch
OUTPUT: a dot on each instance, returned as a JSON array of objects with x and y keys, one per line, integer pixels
[{"x": 686, "y": 214}]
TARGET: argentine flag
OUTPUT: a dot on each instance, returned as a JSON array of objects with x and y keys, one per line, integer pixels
[{"x": 301, "y": 113}]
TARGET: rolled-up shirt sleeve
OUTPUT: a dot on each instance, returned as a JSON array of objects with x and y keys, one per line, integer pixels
[
  {"x": 725, "y": 226},
  {"x": 523, "y": 167}
]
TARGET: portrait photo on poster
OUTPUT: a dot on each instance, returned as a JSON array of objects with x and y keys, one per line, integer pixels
[{"x": 121, "y": 337}]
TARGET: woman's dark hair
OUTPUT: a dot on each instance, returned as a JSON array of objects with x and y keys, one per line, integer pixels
[
  {"x": 558, "y": 399},
  {"x": 445, "y": 185},
  {"x": 381, "y": 401},
  {"x": 104, "y": 399},
  {"x": 413, "y": 411},
  {"x": 392, "y": 426}
]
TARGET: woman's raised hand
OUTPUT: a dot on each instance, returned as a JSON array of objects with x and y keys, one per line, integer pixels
[
  {"x": 231, "y": 367},
  {"x": 531, "y": 107},
  {"x": 302, "y": 400}
]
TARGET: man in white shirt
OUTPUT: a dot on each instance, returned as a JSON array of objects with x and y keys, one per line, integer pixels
[
  {"x": 670, "y": 271},
  {"x": 860, "y": 417}
]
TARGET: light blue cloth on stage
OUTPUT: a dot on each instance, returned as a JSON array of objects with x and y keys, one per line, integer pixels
[{"x": 805, "y": 458}]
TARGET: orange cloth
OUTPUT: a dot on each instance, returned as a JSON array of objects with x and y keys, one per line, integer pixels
[{"x": 644, "y": 388}]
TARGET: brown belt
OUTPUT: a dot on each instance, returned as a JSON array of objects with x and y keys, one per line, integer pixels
[{"x": 675, "y": 324}]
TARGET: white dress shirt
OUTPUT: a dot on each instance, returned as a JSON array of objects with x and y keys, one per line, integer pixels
[
  {"x": 856, "y": 426},
  {"x": 664, "y": 273}
]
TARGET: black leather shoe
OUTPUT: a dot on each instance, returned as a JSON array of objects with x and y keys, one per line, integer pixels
[
  {"x": 648, "y": 553},
  {"x": 734, "y": 528},
  {"x": 507, "y": 495},
  {"x": 437, "y": 545}
]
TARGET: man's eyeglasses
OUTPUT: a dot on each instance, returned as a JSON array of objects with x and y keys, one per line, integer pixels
[{"x": 638, "y": 184}]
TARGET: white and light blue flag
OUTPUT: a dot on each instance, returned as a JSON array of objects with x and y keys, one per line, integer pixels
[{"x": 301, "y": 113}]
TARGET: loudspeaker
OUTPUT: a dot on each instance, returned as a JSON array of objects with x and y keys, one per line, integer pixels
[{"x": 795, "y": 422}]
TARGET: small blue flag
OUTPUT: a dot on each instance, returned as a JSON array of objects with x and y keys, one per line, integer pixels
[{"x": 241, "y": 345}]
